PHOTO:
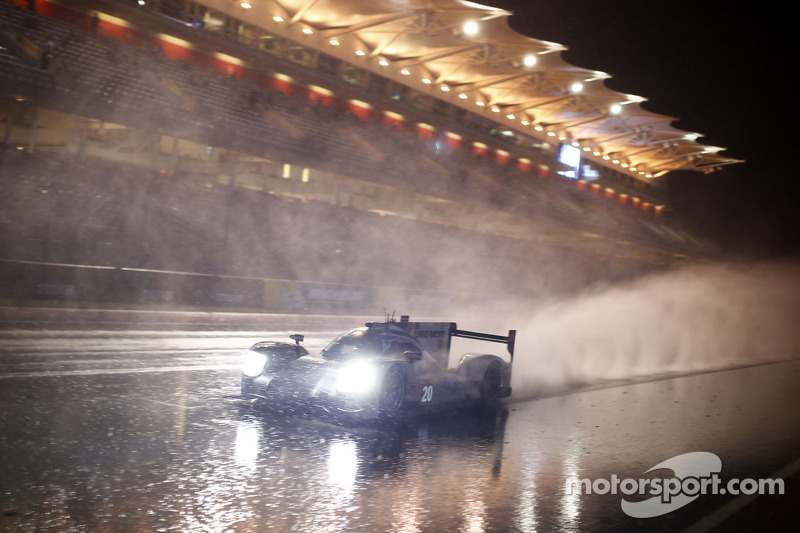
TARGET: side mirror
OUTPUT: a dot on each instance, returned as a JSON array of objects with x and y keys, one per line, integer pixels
[
  {"x": 413, "y": 355},
  {"x": 297, "y": 338}
]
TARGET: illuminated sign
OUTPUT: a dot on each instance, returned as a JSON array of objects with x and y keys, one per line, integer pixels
[
  {"x": 588, "y": 173},
  {"x": 570, "y": 156}
]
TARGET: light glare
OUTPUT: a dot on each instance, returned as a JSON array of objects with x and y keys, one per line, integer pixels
[
  {"x": 254, "y": 364},
  {"x": 357, "y": 377}
]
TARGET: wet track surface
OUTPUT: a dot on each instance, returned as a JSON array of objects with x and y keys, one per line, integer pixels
[{"x": 134, "y": 430}]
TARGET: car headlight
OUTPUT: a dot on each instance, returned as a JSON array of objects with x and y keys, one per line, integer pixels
[
  {"x": 254, "y": 364},
  {"x": 357, "y": 377}
]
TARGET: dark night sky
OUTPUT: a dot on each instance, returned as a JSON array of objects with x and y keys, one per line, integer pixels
[{"x": 725, "y": 71}]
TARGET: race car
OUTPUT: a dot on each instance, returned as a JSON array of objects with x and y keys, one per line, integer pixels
[{"x": 382, "y": 370}]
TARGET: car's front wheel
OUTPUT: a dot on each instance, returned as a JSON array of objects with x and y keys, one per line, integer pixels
[{"x": 393, "y": 391}]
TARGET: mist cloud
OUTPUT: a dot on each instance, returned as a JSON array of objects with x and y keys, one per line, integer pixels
[{"x": 694, "y": 319}]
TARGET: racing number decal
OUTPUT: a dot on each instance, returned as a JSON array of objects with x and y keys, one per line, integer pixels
[{"x": 427, "y": 394}]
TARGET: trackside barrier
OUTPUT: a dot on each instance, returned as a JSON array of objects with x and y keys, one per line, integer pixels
[{"x": 82, "y": 285}]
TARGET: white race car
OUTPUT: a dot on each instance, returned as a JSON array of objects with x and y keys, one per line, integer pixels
[{"x": 384, "y": 369}]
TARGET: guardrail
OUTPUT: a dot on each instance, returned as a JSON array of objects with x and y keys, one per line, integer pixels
[{"x": 41, "y": 284}]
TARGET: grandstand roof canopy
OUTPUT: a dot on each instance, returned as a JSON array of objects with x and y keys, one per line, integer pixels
[{"x": 467, "y": 54}]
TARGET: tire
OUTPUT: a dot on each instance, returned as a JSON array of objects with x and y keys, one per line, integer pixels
[
  {"x": 492, "y": 384},
  {"x": 393, "y": 392}
]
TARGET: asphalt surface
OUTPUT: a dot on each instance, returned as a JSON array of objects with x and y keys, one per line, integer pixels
[{"x": 115, "y": 426}]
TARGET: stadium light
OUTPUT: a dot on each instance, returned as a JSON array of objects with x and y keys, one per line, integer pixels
[
  {"x": 245, "y": 5},
  {"x": 615, "y": 109},
  {"x": 576, "y": 87},
  {"x": 470, "y": 28},
  {"x": 529, "y": 60}
]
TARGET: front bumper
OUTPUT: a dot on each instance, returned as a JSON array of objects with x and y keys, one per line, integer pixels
[
  {"x": 256, "y": 387},
  {"x": 282, "y": 394}
]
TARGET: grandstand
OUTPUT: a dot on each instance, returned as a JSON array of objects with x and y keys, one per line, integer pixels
[{"x": 158, "y": 142}]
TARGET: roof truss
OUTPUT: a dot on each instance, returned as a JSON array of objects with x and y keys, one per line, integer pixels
[{"x": 428, "y": 39}]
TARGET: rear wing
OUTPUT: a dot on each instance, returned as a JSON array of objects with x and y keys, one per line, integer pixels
[
  {"x": 435, "y": 337},
  {"x": 509, "y": 340}
]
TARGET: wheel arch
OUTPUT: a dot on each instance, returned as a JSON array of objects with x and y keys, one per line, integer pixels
[{"x": 474, "y": 365}]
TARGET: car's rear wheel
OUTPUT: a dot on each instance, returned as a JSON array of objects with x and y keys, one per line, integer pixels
[
  {"x": 393, "y": 391},
  {"x": 492, "y": 383}
]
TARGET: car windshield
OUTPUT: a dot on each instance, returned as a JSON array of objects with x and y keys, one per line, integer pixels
[
  {"x": 354, "y": 344},
  {"x": 360, "y": 343}
]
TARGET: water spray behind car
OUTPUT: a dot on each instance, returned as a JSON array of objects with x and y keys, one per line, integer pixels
[{"x": 695, "y": 319}]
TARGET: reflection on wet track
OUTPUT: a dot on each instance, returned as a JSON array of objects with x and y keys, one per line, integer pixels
[
  {"x": 136, "y": 430},
  {"x": 51, "y": 353}
]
